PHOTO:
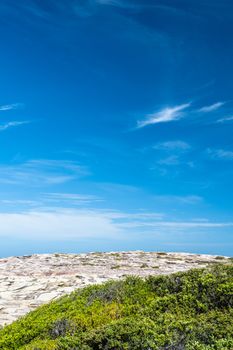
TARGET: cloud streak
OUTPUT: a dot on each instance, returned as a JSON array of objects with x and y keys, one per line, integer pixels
[
  {"x": 13, "y": 124},
  {"x": 211, "y": 108},
  {"x": 10, "y": 106},
  {"x": 71, "y": 198},
  {"x": 165, "y": 115},
  {"x": 116, "y": 3},
  {"x": 60, "y": 224},
  {"x": 176, "y": 145},
  {"x": 175, "y": 113},
  {"x": 225, "y": 119},
  {"x": 191, "y": 199},
  {"x": 41, "y": 172},
  {"x": 63, "y": 224},
  {"x": 172, "y": 153},
  {"x": 220, "y": 154}
]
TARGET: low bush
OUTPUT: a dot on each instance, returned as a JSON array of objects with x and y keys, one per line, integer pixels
[{"x": 183, "y": 311}]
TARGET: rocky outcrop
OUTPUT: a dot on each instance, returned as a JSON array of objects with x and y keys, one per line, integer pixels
[{"x": 29, "y": 281}]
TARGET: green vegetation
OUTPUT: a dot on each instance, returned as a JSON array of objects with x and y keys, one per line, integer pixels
[
  {"x": 144, "y": 266},
  {"x": 116, "y": 267},
  {"x": 191, "y": 310}
]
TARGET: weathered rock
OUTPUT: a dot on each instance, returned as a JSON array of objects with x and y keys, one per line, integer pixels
[{"x": 29, "y": 281}]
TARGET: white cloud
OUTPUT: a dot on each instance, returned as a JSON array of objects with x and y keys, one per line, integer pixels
[
  {"x": 19, "y": 202},
  {"x": 109, "y": 2},
  {"x": 10, "y": 106},
  {"x": 42, "y": 172},
  {"x": 190, "y": 199},
  {"x": 13, "y": 124},
  {"x": 211, "y": 108},
  {"x": 177, "y": 225},
  {"x": 175, "y": 162},
  {"x": 171, "y": 160},
  {"x": 225, "y": 119},
  {"x": 71, "y": 198},
  {"x": 57, "y": 225},
  {"x": 63, "y": 224},
  {"x": 220, "y": 154},
  {"x": 119, "y": 3},
  {"x": 167, "y": 114},
  {"x": 171, "y": 153},
  {"x": 176, "y": 145},
  {"x": 186, "y": 224}
]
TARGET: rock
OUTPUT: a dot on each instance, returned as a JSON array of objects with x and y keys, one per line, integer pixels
[
  {"x": 45, "y": 297},
  {"x": 29, "y": 281}
]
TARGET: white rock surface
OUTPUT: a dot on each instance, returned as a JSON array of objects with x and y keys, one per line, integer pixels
[{"x": 29, "y": 281}]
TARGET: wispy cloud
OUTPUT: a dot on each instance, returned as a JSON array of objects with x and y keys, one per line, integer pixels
[
  {"x": 19, "y": 203},
  {"x": 176, "y": 145},
  {"x": 220, "y": 154},
  {"x": 171, "y": 160},
  {"x": 63, "y": 224},
  {"x": 51, "y": 201},
  {"x": 211, "y": 108},
  {"x": 183, "y": 226},
  {"x": 110, "y": 2},
  {"x": 66, "y": 223},
  {"x": 58, "y": 225},
  {"x": 10, "y": 106},
  {"x": 190, "y": 199},
  {"x": 13, "y": 124},
  {"x": 188, "y": 225},
  {"x": 165, "y": 115},
  {"x": 225, "y": 119},
  {"x": 42, "y": 172},
  {"x": 172, "y": 153},
  {"x": 71, "y": 198},
  {"x": 129, "y": 5},
  {"x": 175, "y": 113}
]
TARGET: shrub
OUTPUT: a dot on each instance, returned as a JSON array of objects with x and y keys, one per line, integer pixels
[{"x": 191, "y": 311}]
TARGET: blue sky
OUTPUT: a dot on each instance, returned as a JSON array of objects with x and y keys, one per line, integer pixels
[{"x": 116, "y": 122}]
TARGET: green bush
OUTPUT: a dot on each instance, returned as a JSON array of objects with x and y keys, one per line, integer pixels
[{"x": 191, "y": 310}]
